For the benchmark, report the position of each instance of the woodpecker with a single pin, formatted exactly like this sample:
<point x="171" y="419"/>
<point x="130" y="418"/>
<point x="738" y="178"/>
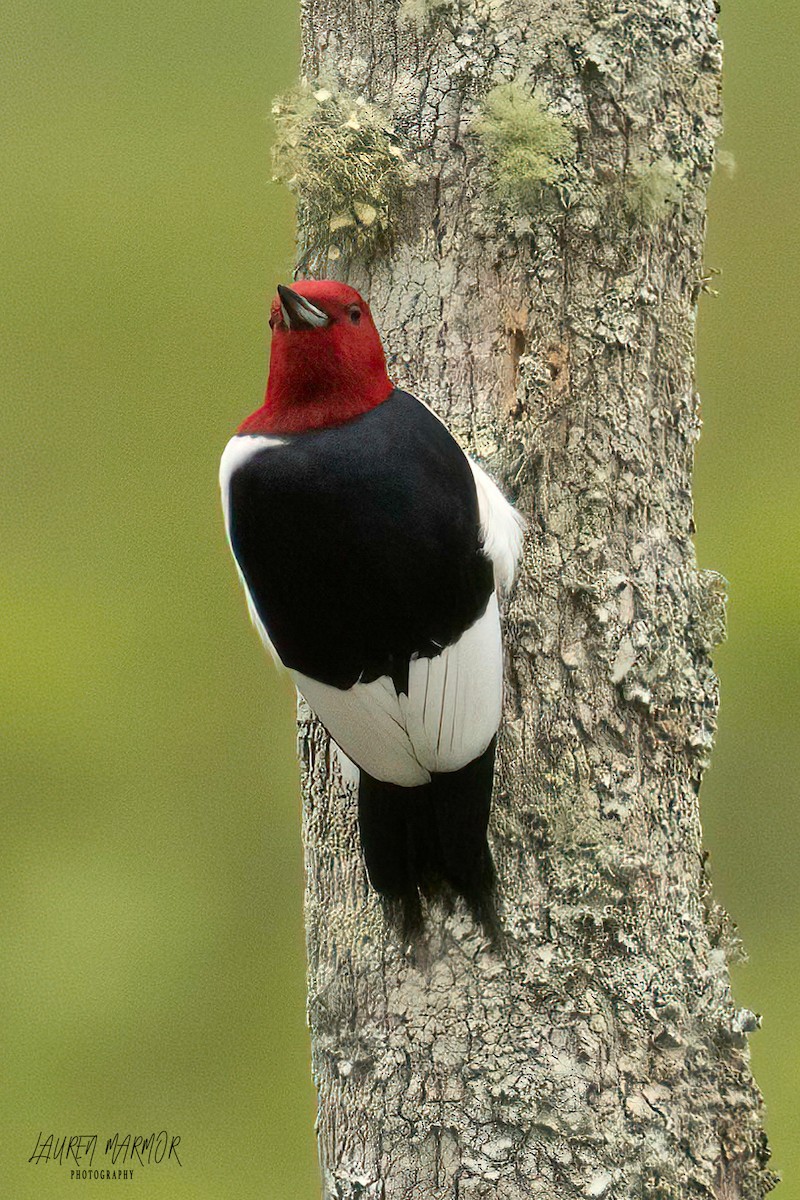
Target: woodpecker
<point x="372" y="550"/>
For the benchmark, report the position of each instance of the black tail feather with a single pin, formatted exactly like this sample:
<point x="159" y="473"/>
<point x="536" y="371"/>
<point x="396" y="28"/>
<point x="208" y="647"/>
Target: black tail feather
<point x="391" y="820"/>
<point x="431" y="840"/>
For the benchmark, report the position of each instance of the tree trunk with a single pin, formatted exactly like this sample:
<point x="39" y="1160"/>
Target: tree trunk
<point x="600" y="1053"/>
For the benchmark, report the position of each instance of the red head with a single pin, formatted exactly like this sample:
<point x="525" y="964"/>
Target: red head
<point x="326" y="363"/>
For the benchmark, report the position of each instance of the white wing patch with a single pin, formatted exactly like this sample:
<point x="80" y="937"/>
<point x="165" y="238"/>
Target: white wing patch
<point x="239" y="449"/>
<point x="502" y="527"/>
<point x="448" y="718"/>
<point x="454" y="700"/>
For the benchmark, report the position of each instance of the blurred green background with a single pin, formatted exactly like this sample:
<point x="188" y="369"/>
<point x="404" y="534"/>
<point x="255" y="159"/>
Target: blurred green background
<point x="747" y="507"/>
<point x="152" y="967"/>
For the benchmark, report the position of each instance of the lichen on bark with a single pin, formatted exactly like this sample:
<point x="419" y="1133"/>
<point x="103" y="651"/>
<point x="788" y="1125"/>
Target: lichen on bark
<point x="342" y="158"/>
<point x="526" y="145"/>
<point x="601" y="1053"/>
<point x="651" y="189"/>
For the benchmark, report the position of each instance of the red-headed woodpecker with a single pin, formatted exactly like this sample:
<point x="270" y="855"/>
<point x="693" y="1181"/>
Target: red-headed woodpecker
<point x="371" y="550"/>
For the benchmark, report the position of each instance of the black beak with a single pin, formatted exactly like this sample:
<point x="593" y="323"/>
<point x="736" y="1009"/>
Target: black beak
<point x="299" y="313"/>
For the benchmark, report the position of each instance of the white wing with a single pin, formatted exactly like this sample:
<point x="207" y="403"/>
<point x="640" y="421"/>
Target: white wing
<point x="502" y="527"/>
<point x="448" y="718"/>
<point x="454" y="700"/>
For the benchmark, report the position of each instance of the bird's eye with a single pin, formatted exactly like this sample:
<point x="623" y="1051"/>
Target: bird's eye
<point x="355" y="314"/>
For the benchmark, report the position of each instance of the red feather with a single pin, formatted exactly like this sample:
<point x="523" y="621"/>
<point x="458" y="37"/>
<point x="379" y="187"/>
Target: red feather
<point x="322" y="377"/>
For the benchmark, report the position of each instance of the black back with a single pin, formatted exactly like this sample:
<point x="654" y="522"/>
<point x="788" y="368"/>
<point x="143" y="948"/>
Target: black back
<point x="360" y="544"/>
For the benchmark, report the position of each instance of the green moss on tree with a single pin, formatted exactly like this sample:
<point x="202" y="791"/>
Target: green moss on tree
<point x="342" y="158"/>
<point x="526" y="144"/>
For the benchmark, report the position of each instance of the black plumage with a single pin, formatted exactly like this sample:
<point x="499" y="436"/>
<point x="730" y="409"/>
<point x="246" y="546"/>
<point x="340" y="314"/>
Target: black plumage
<point x="360" y="544"/>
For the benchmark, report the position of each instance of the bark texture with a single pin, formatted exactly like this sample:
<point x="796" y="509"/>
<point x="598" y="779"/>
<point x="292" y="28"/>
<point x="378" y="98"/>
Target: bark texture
<point x="600" y="1054"/>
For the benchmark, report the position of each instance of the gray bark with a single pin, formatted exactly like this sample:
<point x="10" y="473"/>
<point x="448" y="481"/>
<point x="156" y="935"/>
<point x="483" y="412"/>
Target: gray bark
<point x="600" y="1054"/>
